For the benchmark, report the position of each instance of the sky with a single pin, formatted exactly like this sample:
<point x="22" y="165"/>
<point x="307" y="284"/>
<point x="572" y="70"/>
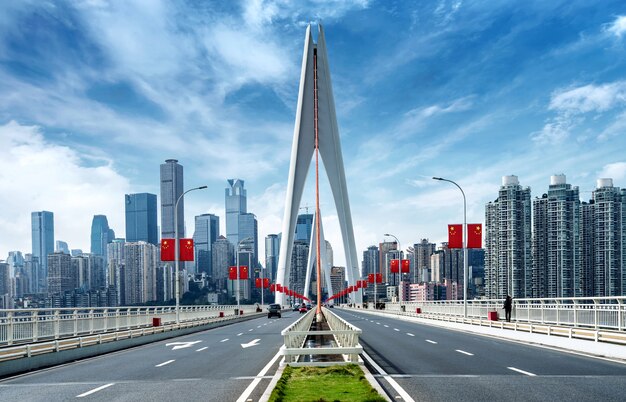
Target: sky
<point x="96" y="94"/>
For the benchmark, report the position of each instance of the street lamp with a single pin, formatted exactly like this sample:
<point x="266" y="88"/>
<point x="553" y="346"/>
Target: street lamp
<point x="465" y="262"/>
<point x="399" y="263"/>
<point x="237" y="251"/>
<point x="176" y="250"/>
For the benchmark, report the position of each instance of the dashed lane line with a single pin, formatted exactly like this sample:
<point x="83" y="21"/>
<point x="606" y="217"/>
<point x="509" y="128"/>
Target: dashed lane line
<point x="409" y="334"/>
<point x="164" y="363"/>
<point x="224" y="340"/>
<point x="94" y="390"/>
<point x="464" y="352"/>
<point x="239" y="334"/>
<point x="396" y="329"/>
<point x="386" y="326"/>
<point x="522" y="371"/>
<point x="201" y="349"/>
<point x="433" y="342"/>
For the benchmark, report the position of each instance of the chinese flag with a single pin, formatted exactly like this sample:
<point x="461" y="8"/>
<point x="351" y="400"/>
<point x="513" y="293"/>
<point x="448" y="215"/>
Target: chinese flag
<point x="406" y="266"/>
<point x="167" y="250"/>
<point x="258" y="283"/>
<point x="393" y="266"/>
<point x="279" y="288"/>
<point x="266" y="282"/>
<point x="455" y="236"/>
<point x="185" y="250"/>
<point x="370" y="278"/>
<point x="232" y="273"/>
<point x="379" y="278"/>
<point x="243" y="272"/>
<point x="474" y="235"/>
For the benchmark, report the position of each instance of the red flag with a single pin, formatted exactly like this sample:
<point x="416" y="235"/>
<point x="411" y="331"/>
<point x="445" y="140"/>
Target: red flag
<point x="167" y="250"/>
<point x="370" y="278"/>
<point x="474" y="235"/>
<point x="393" y="266"/>
<point x="272" y="288"/>
<point x="379" y="278"/>
<point x="232" y="273"/>
<point x="266" y="283"/>
<point x="406" y="266"/>
<point x="455" y="236"/>
<point x="243" y="272"/>
<point x="279" y="288"/>
<point x="185" y="250"/>
<point x="258" y="282"/>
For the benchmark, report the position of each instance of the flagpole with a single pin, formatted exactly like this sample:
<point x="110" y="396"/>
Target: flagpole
<point x="465" y="261"/>
<point x="176" y="251"/>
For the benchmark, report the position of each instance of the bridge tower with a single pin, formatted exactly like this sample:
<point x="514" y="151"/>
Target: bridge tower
<point x="316" y="90"/>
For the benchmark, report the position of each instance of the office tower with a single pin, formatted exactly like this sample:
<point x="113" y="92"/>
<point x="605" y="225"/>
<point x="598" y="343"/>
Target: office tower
<point x="272" y="248"/>
<point x="6" y="286"/>
<point x="338" y="278"/>
<point x="508" y="264"/>
<point x="141" y="260"/>
<point x="383" y="258"/>
<point x="76" y="252"/>
<point x="42" y="225"/>
<point x="452" y="268"/>
<point x="89" y="272"/>
<point x="299" y="260"/>
<point x="423" y="251"/>
<point x="171" y="190"/>
<point x="246" y="258"/>
<point x="207" y="231"/>
<point x="15" y="261"/>
<point x="31" y="268"/>
<point x="556" y="240"/>
<point x="223" y="255"/>
<point x="60" y="276"/>
<point x="236" y="205"/>
<point x="609" y="225"/>
<point x="248" y="229"/>
<point x="370" y="262"/>
<point x="304" y="225"/>
<point x="476" y="267"/>
<point x="101" y="235"/>
<point x="61" y="247"/>
<point x="141" y="218"/>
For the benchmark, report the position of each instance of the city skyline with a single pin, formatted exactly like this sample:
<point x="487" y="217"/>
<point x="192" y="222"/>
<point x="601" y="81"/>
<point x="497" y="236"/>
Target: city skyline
<point x="470" y="92"/>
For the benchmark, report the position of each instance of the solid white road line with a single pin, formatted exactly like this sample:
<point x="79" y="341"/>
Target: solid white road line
<point x="224" y="340"/>
<point x="396" y="329"/>
<point x="386" y="326"/>
<point x="164" y="363"/>
<point x="94" y="390"/>
<point x="244" y="396"/>
<point x="522" y="371"/>
<point x="429" y="341"/>
<point x="251" y="329"/>
<point x="201" y="349"/>
<point x="464" y="352"/>
<point x="409" y="334"/>
<point x="239" y="334"/>
<point x="405" y="396"/>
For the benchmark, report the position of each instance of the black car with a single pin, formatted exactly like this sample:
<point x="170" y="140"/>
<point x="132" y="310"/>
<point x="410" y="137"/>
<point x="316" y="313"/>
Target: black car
<point x="273" y="309"/>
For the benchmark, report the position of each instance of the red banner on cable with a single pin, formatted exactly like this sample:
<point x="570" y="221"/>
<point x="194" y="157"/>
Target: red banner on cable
<point x="455" y="236"/>
<point x="266" y="283"/>
<point x="258" y="282"/>
<point x="474" y="235"/>
<point x="167" y="250"/>
<point x="406" y="264"/>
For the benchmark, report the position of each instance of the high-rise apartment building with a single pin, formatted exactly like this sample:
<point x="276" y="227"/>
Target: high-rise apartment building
<point x="585" y="275"/>
<point x="370" y="262"/>
<point x="508" y="263"/>
<point x="6" y="286"/>
<point x="556" y="241"/>
<point x="222" y="257"/>
<point x="61" y="278"/>
<point x="171" y="189"/>
<point x="42" y="229"/>
<point x="272" y="249"/>
<point x="299" y="261"/>
<point x="383" y="259"/>
<point x="115" y="267"/>
<point x="141" y="218"/>
<point x="101" y="235"/>
<point x="141" y="260"/>
<point x="207" y="231"/>
<point x="423" y="250"/>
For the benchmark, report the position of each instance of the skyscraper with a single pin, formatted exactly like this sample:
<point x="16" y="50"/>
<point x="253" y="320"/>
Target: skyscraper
<point x="508" y="264"/>
<point x="101" y="235"/>
<point x="171" y="189"/>
<point x="61" y="247"/>
<point x="42" y="229"/>
<point x="141" y="218"/>
<point x="556" y="241"/>
<point x="222" y="257"/>
<point x="370" y="263"/>
<point x="423" y="251"/>
<point x="60" y="276"/>
<point x="304" y="225"/>
<point x="239" y="223"/>
<point x="140" y="272"/>
<point x="207" y="231"/>
<point x="272" y="248"/>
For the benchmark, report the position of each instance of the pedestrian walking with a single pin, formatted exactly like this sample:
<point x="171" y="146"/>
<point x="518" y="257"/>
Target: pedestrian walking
<point x="508" y="306"/>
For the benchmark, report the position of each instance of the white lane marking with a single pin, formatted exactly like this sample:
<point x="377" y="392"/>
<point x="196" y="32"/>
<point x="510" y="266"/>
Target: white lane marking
<point x="244" y="396"/>
<point x="201" y="349"/>
<point x="377" y="323"/>
<point x="403" y="394"/>
<point x="522" y="371"/>
<point x="409" y="334"/>
<point x="224" y="340"/>
<point x="429" y="341"/>
<point x="251" y="343"/>
<point x="239" y="334"/>
<point x="164" y="363"/>
<point x="251" y="329"/>
<point x="259" y="326"/>
<point x="396" y="329"/>
<point x="181" y="345"/>
<point x="464" y="352"/>
<point x="386" y="326"/>
<point x="94" y="390"/>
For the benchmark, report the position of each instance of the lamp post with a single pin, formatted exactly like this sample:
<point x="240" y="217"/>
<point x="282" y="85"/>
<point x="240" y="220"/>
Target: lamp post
<point x="176" y="250"/>
<point x="465" y="262"/>
<point x="237" y="251"/>
<point x="399" y="263"/>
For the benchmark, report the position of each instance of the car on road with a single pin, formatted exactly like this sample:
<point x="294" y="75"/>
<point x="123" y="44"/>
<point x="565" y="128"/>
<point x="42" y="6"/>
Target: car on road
<point x="273" y="310"/>
<point x="303" y="309"/>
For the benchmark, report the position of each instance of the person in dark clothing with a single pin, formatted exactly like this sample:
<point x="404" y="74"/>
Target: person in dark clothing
<point x="508" y="306"/>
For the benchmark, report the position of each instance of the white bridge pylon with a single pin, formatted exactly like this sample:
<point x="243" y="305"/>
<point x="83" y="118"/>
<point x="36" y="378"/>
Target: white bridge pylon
<point x="302" y="153"/>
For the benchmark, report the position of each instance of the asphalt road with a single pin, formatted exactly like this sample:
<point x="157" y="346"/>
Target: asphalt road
<point x="437" y="364"/>
<point x="214" y="365"/>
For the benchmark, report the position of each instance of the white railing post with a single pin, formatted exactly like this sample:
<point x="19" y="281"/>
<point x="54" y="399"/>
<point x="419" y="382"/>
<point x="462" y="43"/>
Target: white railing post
<point x="10" y="328"/>
<point x="56" y="324"/>
<point x="34" y="318"/>
<point x="75" y="323"/>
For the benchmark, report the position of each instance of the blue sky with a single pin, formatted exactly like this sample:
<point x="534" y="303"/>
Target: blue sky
<point x="95" y="94"/>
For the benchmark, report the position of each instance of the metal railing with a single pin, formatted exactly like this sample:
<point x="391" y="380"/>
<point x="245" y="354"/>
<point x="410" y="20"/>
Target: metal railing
<point x="345" y="334"/>
<point x="584" y="312"/>
<point x="37" y="325"/>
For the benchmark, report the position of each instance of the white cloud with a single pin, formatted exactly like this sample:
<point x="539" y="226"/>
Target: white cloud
<point x="589" y="98"/>
<point x="615" y="171"/>
<point x="40" y="175"/>
<point x="617" y="27"/>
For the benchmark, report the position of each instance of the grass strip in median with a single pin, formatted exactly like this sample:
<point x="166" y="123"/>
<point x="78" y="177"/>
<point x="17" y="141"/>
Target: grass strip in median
<point x="335" y="383"/>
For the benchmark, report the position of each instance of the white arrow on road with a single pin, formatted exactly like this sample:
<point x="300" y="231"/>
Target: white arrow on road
<point x="251" y="343"/>
<point x="181" y="345"/>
